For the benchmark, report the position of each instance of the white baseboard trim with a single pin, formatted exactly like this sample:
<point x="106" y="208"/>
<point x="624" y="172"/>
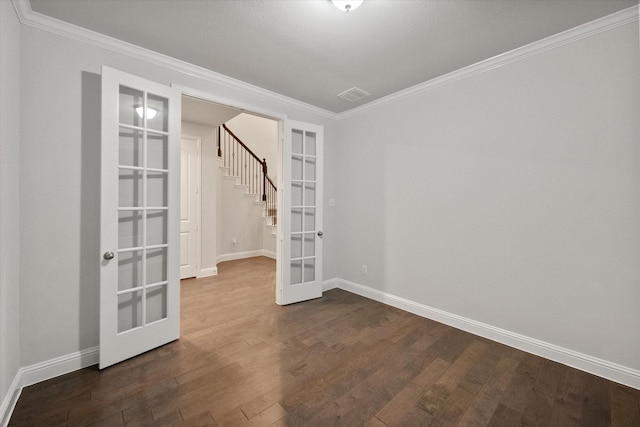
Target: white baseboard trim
<point x="10" y="400"/>
<point x="269" y="254"/>
<point x="327" y="285"/>
<point x="243" y="255"/>
<point x="602" y="368"/>
<point x="59" y="366"/>
<point x="207" y="272"/>
<point x="43" y="371"/>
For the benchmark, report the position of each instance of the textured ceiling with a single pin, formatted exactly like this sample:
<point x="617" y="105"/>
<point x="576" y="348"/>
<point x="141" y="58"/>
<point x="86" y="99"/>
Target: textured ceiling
<point x="310" y="51"/>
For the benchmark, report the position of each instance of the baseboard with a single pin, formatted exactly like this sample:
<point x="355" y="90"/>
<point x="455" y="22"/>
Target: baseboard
<point x="327" y="285"/>
<point x="43" y="371"/>
<point x="208" y="272"/>
<point x="10" y="400"/>
<point x="59" y="366"/>
<point x="269" y="254"/>
<point x="593" y="365"/>
<point x="243" y="255"/>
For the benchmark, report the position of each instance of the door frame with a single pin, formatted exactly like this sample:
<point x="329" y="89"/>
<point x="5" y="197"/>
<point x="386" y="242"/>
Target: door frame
<point x="198" y="200"/>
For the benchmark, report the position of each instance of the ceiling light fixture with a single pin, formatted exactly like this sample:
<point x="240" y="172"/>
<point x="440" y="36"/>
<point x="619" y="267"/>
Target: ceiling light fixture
<point x="151" y="112"/>
<point x="347" y="5"/>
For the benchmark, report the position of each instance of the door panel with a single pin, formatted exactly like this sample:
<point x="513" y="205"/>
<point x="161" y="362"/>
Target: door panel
<point x="189" y="207"/>
<point x="301" y="263"/>
<point x="139" y="282"/>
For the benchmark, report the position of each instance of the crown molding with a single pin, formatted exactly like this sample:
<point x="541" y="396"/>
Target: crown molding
<point x="27" y="16"/>
<point x="606" y="23"/>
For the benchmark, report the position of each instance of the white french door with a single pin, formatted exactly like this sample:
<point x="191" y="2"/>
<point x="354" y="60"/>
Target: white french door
<point x="140" y="209"/>
<point x="300" y="266"/>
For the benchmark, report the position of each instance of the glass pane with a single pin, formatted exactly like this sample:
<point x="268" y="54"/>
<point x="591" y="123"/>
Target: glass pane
<point x="296" y="141"/>
<point x="157" y="189"/>
<point x="309" y="194"/>
<point x="309" y="270"/>
<point x="157" y="146"/>
<point x="157" y="227"/>
<point x="156" y="265"/>
<point x="296" y="194"/>
<point x="296" y="220"/>
<point x="130" y="150"/>
<point x="310" y="169"/>
<point x="310" y="143"/>
<point x="129" y="229"/>
<point x="296" y="246"/>
<point x="159" y="105"/>
<point x="129" y="188"/>
<point x="296" y="272"/>
<point x="309" y="219"/>
<point x="156" y="303"/>
<point x="309" y="244"/>
<point x="296" y="168"/>
<point x="129" y="270"/>
<point x="129" y="311"/>
<point x="129" y="100"/>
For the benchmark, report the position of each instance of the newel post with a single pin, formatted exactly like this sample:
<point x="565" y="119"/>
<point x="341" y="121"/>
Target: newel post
<point x="264" y="180"/>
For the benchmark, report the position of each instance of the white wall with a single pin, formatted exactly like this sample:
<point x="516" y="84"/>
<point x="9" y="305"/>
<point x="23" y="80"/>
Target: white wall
<point x="9" y="199"/>
<point x="59" y="178"/>
<point x="269" y="241"/>
<point x="261" y="136"/>
<point x="240" y="220"/>
<point x="511" y="197"/>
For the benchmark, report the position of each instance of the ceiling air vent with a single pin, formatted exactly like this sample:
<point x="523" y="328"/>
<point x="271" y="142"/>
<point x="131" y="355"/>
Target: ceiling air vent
<point x="354" y="94"/>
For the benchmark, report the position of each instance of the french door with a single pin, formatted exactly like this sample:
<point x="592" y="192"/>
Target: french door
<point x="300" y="266"/>
<point x="140" y="209"/>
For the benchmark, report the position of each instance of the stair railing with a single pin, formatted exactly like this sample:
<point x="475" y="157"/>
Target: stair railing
<point x="245" y="165"/>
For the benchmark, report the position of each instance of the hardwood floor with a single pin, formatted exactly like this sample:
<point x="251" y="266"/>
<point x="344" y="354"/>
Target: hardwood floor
<point x="338" y="360"/>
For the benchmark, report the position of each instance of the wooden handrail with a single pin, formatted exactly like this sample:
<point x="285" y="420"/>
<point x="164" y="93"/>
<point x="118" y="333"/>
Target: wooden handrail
<point x="247" y="174"/>
<point x="243" y="145"/>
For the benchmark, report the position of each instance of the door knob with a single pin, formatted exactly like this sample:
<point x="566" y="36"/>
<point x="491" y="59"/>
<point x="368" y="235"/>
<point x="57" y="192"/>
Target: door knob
<point x="108" y="255"/>
<point x="320" y="233"/>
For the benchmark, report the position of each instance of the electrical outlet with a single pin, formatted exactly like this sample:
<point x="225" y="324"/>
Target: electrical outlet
<point x="365" y="270"/>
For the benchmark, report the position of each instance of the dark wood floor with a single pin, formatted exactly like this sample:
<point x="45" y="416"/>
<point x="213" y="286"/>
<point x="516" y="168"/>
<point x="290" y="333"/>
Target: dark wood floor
<point x="338" y="360"/>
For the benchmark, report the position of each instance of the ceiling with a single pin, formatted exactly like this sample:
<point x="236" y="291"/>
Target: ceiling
<point x="206" y="113"/>
<point x="310" y="51"/>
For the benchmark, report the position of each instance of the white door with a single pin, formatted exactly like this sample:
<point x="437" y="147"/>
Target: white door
<point x="300" y="266"/>
<point x="139" y="237"/>
<point x="189" y="206"/>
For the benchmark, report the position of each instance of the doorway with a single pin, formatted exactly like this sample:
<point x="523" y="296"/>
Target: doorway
<point x="233" y="222"/>
<point x="140" y="210"/>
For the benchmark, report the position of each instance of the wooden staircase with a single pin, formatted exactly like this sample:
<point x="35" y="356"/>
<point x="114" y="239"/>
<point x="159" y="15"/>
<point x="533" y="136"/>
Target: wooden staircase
<point x="242" y="164"/>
